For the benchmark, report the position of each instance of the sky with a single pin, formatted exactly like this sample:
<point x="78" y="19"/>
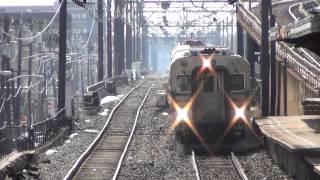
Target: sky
<point x="26" y="2"/>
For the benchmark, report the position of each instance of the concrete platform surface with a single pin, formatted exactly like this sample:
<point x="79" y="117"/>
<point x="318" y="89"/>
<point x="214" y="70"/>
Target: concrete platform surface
<point x="295" y="132"/>
<point x="299" y="135"/>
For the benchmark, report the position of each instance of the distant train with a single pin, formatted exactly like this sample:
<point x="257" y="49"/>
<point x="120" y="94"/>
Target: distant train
<point x="209" y="90"/>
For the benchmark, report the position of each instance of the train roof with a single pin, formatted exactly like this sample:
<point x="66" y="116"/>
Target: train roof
<point x="187" y="51"/>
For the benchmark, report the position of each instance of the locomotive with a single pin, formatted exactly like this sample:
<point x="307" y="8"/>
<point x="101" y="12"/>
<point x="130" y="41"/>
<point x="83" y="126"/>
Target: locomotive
<point x="210" y="92"/>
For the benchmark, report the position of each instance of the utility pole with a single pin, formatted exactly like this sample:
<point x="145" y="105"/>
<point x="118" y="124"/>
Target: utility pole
<point x="109" y="39"/>
<point x="100" y="40"/>
<point x="265" y="58"/>
<point x="62" y="59"/>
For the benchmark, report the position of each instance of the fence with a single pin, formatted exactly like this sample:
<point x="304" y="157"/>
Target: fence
<point x="23" y="138"/>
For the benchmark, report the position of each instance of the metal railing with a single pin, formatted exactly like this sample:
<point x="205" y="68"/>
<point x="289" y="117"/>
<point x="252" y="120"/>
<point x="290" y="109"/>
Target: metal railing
<point x="296" y="63"/>
<point x="23" y="138"/>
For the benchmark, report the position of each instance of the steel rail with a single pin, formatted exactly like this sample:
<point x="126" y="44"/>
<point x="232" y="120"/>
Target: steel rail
<point x="116" y="173"/>
<point x="195" y="165"/>
<point x="238" y="167"/>
<point x="86" y="154"/>
<point x="236" y="164"/>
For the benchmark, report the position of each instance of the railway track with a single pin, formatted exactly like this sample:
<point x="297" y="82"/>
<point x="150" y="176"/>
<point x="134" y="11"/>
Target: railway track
<point x="217" y="167"/>
<point x="103" y="158"/>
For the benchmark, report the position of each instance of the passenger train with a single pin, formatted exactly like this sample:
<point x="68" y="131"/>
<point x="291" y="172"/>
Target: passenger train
<point x="209" y="91"/>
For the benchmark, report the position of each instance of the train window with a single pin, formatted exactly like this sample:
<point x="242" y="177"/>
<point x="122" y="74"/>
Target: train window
<point x="208" y="83"/>
<point x="183" y="83"/>
<point x="236" y="82"/>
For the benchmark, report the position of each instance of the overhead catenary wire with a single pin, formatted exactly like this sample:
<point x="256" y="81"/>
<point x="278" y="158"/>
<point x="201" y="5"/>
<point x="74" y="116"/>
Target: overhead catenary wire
<point x="91" y="29"/>
<point x="39" y="33"/>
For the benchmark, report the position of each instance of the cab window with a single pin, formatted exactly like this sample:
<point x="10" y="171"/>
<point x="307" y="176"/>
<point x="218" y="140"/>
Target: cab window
<point x="208" y="84"/>
<point x="236" y="82"/>
<point x="183" y="83"/>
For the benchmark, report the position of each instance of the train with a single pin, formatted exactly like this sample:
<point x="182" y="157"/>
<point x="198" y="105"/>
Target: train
<point x="209" y="91"/>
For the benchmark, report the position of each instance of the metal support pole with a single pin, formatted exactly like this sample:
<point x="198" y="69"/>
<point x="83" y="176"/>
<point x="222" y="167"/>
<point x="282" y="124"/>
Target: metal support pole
<point x="7" y="103"/>
<point x="138" y="47"/>
<point x="239" y="39"/>
<point x="285" y="88"/>
<point x="109" y="39"/>
<point x="100" y="40"/>
<point x="279" y="88"/>
<point x="145" y="48"/>
<point x="3" y="64"/>
<point x="62" y="58"/>
<point x="250" y="54"/>
<point x="29" y="82"/>
<point x="17" y="99"/>
<point x="227" y="32"/>
<point x="134" y="38"/>
<point x="118" y="38"/>
<point x="265" y="58"/>
<point x="88" y="66"/>
<point x="273" y="80"/>
<point x="232" y="44"/>
<point x="223" y="37"/>
<point x="128" y="37"/>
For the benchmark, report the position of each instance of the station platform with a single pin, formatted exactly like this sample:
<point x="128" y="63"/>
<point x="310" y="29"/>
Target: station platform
<point x="293" y="143"/>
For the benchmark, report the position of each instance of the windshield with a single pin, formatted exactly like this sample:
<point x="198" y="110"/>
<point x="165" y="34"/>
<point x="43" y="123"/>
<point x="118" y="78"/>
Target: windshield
<point x="183" y="83"/>
<point x="236" y="82"/>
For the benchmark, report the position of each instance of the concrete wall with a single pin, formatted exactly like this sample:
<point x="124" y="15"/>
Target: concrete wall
<point x="296" y="92"/>
<point x="294" y="95"/>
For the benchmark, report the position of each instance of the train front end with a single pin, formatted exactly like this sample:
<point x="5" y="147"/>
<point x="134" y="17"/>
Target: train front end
<point x="210" y="96"/>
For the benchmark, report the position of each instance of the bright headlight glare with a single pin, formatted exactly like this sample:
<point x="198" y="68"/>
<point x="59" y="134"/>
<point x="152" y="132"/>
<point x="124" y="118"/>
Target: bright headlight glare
<point x="182" y="115"/>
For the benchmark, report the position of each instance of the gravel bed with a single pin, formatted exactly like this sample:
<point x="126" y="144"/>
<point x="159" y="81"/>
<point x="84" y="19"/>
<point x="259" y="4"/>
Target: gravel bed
<point x="57" y="164"/>
<point x="154" y="152"/>
<point x="259" y="165"/>
<point x="216" y="167"/>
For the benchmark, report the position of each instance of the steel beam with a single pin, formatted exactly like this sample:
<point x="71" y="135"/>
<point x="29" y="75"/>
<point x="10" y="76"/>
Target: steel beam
<point x="62" y="58"/>
<point x="239" y="39"/>
<point x="265" y="58"/>
<point x="100" y="40"/>
<point x="109" y="39"/>
<point x="29" y="82"/>
<point x="273" y="75"/>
